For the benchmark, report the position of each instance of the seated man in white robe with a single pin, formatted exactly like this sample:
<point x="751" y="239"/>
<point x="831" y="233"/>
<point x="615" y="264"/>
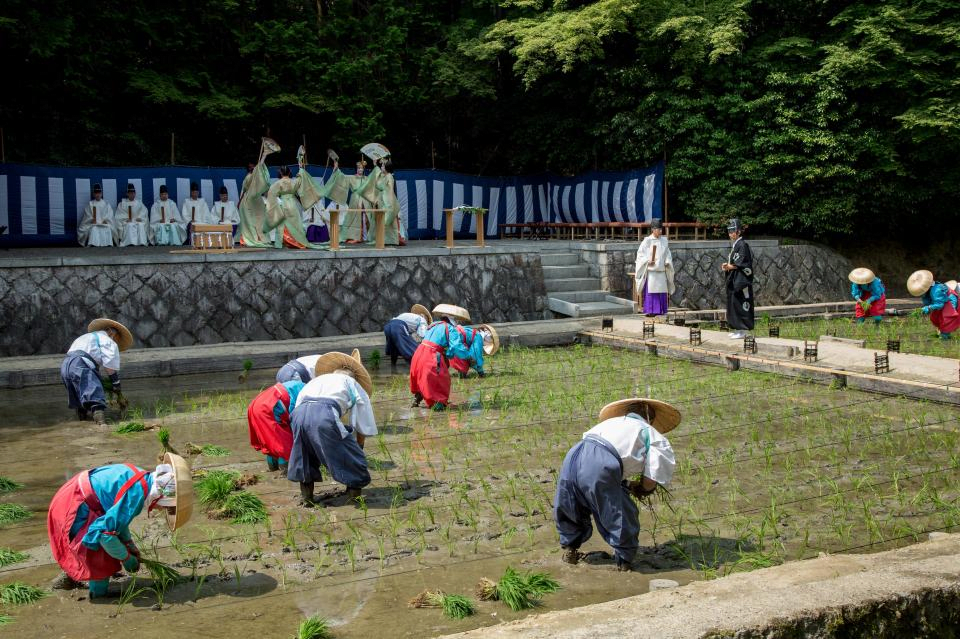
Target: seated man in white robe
<point x="195" y="209"/>
<point x="96" y="226"/>
<point x="225" y="211"/>
<point x="167" y="226"/>
<point x="132" y="221"/>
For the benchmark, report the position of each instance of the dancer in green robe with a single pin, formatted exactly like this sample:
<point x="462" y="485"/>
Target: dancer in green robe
<point x="253" y="212"/>
<point x="283" y="209"/>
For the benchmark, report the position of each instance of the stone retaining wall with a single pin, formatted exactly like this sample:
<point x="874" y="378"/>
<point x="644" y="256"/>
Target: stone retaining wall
<point x="181" y="300"/>
<point x="794" y="274"/>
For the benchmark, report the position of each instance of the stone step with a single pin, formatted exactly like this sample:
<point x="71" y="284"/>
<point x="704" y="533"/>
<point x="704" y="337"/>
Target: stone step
<point x="559" y="259"/>
<point x="565" y="272"/>
<point x="572" y="284"/>
<point x="578" y="297"/>
<point x="586" y="309"/>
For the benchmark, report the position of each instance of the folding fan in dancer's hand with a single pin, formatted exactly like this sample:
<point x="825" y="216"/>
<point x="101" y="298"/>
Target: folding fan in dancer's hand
<point x="302" y="156"/>
<point x="375" y="150"/>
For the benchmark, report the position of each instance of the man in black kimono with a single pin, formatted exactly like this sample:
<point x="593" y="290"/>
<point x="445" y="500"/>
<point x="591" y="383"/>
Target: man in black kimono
<point x="739" y="270"/>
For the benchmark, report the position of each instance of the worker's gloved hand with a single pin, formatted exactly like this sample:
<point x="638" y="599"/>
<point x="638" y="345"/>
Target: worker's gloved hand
<point x="481" y="374"/>
<point x="925" y="310"/>
<point x="131" y="547"/>
<point x="131" y="564"/>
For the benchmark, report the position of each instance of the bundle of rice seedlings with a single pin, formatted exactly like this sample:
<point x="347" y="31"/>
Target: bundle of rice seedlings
<point x="164" y="436"/>
<point x="520" y="592"/>
<point x="316" y="627"/>
<point x="7" y="485"/>
<point x="10" y="556"/>
<point x="453" y="606"/>
<point x="245" y="508"/>
<point x="541" y="583"/>
<point x="208" y="450"/>
<point x="19" y="593"/>
<point x="162" y="573"/>
<point x="10" y="513"/>
<point x="214" y="487"/>
<point x="130" y="427"/>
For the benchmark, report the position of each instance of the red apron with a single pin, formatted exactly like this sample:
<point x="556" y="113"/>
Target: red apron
<point x="266" y="435"/>
<point x="463" y="365"/>
<point x="79" y="562"/>
<point x="947" y="319"/>
<point x="879" y="307"/>
<point x="429" y="374"/>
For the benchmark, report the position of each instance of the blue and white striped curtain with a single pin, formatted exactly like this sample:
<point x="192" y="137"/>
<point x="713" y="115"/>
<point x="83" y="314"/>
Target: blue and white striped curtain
<point x="43" y="204"/>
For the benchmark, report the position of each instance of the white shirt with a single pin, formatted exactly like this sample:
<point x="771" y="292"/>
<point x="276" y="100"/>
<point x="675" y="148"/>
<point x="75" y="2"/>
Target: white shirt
<point x="309" y="362"/>
<point x="169" y="214"/>
<point x="349" y="396"/>
<point x="225" y="211"/>
<point x="416" y="325"/>
<point x="642" y="449"/>
<point x="100" y="348"/>
<point x="200" y="216"/>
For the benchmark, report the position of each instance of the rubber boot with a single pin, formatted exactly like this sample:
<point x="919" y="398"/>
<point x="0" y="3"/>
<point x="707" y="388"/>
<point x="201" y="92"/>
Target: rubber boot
<point x="306" y="494"/>
<point x="570" y="555"/>
<point x="393" y="360"/>
<point x="98" y="587"/>
<point x="439" y="407"/>
<point x="351" y="494"/>
<point x="99" y="417"/>
<point x="272" y="463"/>
<point x="623" y="565"/>
<point x="282" y="465"/>
<point x="417" y="398"/>
<point x="82" y="414"/>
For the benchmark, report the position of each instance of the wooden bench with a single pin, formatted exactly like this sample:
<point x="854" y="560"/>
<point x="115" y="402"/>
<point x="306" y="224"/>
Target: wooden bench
<point x="538" y="230"/>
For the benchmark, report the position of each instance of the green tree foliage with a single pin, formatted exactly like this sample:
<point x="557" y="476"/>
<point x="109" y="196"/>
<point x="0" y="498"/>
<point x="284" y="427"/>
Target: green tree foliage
<point x="814" y="116"/>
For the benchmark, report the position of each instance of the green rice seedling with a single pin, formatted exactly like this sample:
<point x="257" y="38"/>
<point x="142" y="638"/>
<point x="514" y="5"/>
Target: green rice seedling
<point x="315" y="627"/>
<point x="10" y="513"/>
<point x="19" y="593"/>
<point x="8" y="485"/>
<point x="5" y="619"/>
<point x="214" y="487"/>
<point x="245" y="508"/>
<point x="9" y="556"/>
<point x="453" y="606"/>
<point x="130" y="427"/>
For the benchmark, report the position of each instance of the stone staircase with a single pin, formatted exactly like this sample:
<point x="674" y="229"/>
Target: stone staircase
<point x="573" y="291"/>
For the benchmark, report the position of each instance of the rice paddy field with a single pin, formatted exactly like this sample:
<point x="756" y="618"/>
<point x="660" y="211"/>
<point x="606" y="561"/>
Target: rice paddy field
<point x="770" y="469"/>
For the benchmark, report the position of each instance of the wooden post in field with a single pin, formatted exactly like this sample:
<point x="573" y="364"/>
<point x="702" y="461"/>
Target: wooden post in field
<point x="172" y="146"/>
<point x="666" y="209"/>
<point x="334" y="229"/>
<point x="448" y="214"/>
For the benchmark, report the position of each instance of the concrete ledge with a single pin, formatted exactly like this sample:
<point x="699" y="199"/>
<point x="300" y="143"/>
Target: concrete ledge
<point x="909" y="592"/>
<point x="42" y="370"/>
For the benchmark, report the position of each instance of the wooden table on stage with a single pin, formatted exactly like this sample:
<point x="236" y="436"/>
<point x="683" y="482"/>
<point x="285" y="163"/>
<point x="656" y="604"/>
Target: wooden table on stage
<point x="379" y="232"/>
<point x="448" y="213"/>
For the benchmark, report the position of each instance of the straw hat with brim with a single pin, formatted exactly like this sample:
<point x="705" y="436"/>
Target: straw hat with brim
<point x="330" y="362"/>
<point x="184" y="497"/>
<point x="665" y="416"/>
<point x="919" y="283"/>
<point x="952" y="285"/>
<point x="861" y="276"/>
<point x="490" y="349"/>
<point x="421" y="310"/>
<point x="102" y="323"/>
<point x="450" y="310"/>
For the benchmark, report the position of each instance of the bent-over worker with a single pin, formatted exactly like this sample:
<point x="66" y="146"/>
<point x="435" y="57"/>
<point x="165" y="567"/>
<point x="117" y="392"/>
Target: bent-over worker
<point x="100" y="347"/>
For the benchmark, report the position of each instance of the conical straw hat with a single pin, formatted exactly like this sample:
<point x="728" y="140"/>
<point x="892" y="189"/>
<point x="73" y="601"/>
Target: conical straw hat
<point x="456" y="312"/>
<point x="102" y="323"/>
<point x="665" y="416"/>
<point x="861" y="276"/>
<point x="919" y="283"/>
<point x="421" y="310"/>
<point x="184" y="497"/>
<point x="952" y="285"/>
<point x="330" y="362"/>
<point x="490" y="349"/>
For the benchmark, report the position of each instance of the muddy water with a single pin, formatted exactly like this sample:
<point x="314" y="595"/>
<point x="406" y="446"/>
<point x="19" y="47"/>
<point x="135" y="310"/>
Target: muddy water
<point x="297" y="566"/>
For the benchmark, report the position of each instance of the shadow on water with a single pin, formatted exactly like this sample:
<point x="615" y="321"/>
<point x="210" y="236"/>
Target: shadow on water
<point x="380" y="498"/>
<point x="192" y="590"/>
<point x="706" y="554"/>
